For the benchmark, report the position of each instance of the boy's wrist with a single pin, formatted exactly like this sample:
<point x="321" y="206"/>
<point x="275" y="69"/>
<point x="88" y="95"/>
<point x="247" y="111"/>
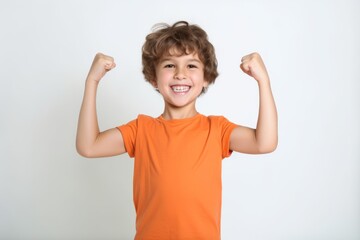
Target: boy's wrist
<point x="91" y="81"/>
<point x="264" y="83"/>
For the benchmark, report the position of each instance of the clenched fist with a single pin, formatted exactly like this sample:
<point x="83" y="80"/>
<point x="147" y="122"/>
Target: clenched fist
<point x="254" y="66"/>
<point x="100" y="66"/>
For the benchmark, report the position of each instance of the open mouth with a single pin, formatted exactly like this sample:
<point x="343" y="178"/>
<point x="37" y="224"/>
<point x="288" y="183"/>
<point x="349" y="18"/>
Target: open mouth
<point x="180" y="88"/>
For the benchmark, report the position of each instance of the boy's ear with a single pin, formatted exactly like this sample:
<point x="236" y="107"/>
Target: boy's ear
<point x="154" y="83"/>
<point x="206" y="83"/>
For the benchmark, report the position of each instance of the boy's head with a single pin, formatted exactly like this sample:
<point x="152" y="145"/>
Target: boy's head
<point x="182" y="39"/>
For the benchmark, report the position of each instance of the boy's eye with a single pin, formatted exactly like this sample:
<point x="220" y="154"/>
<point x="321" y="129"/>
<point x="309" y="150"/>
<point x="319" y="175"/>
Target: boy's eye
<point x="169" y="66"/>
<point x="192" y="66"/>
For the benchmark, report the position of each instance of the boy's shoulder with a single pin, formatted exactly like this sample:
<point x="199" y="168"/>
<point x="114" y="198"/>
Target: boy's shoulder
<point x="144" y="116"/>
<point x="217" y="118"/>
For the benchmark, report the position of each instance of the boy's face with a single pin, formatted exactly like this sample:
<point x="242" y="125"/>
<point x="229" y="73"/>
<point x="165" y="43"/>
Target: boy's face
<point x="180" y="79"/>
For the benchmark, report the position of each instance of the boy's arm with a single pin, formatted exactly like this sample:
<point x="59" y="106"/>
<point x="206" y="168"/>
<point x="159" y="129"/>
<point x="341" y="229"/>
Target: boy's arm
<point x="264" y="138"/>
<point x="90" y="142"/>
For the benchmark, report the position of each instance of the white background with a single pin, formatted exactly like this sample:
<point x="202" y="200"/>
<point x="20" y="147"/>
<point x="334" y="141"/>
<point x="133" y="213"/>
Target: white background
<point x="308" y="189"/>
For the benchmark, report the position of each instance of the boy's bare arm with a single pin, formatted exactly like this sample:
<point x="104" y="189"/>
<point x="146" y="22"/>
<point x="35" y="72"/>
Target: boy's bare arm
<point x="264" y="138"/>
<point x="90" y="142"/>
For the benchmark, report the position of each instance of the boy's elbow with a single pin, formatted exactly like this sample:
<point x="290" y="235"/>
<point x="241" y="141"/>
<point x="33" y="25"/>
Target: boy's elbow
<point x="84" y="151"/>
<point x="83" y="154"/>
<point x="268" y="148"/>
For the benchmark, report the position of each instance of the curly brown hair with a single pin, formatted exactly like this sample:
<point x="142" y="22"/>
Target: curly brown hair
<point x="183" y="37"/>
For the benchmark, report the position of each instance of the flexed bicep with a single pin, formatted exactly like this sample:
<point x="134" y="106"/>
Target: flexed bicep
<point x="243" y="140"/>
<point x="108" y="143"/>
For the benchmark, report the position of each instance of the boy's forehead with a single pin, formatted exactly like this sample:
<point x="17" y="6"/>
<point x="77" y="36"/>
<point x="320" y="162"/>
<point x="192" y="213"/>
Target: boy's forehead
<point x="186" y="57"/>
<point x="177" y="52"/>
<point x="174" y="52"/>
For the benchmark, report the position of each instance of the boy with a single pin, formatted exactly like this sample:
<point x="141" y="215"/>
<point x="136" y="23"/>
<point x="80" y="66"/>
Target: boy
<point x="177" y="168"/>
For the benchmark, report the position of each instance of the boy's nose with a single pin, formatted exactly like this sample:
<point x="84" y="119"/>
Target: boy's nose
<point x="179" y="75"/>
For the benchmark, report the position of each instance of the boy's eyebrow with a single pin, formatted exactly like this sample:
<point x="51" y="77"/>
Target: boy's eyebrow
<point x="171" y="59"/>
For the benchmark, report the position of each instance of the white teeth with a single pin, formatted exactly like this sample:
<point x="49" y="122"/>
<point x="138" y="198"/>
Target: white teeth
<point x="180" y="89"/>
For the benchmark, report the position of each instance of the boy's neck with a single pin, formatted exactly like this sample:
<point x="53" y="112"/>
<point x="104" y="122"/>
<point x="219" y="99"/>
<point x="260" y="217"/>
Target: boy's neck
<point x="171" y="113"/>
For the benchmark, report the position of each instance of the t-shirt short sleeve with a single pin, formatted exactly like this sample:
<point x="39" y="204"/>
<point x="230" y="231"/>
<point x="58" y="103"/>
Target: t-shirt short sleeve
<point x="129" y="132"/>
<point x="226" y="129"/>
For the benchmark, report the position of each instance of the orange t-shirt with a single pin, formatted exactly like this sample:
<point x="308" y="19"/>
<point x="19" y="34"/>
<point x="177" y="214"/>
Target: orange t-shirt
<point x="177" y="175"/>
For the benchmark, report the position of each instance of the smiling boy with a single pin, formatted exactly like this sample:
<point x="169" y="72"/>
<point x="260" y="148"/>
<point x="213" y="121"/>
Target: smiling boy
<point x="178" y="155"/>
<point x="180" y="80"/>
